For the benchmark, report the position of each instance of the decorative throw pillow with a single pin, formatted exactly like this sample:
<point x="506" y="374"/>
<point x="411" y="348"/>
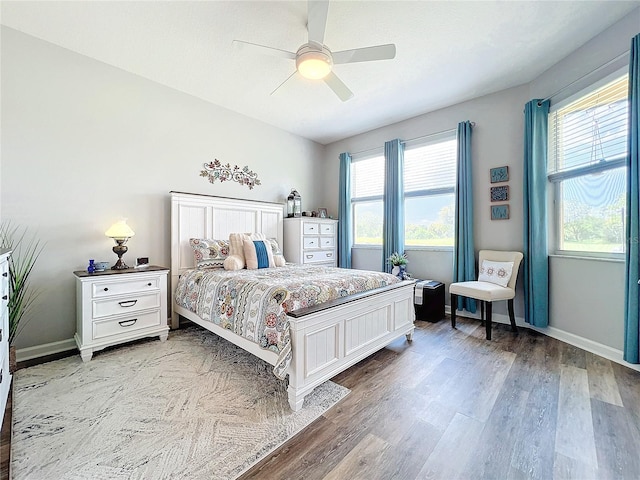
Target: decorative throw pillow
<point x="495" y="272"/>
<point x="209" y="253"/>
<point x="257" y="253"/>
<point x="236" y="260"/>
<point x="278" y="257"/>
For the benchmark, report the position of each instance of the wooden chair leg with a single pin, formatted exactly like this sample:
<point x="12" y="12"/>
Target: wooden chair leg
<point x="454" y="303"/>
<point x="488" y="321"/>
<point x="481" y="310"/>
<point x="512" y="316"/>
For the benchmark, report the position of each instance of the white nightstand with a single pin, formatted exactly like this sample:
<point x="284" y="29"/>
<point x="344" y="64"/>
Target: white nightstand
<point x="117" y="306"/>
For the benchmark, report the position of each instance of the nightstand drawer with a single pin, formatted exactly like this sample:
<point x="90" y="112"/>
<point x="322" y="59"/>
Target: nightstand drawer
<point x="125" y="305"/>
<point x="313" y="257"/>
<point x="118" y="287"/>
<point x="125" y="325"/>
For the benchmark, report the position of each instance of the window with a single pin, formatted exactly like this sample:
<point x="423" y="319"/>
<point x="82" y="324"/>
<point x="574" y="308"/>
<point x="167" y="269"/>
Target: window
<point x="367" y="189"/>
<point x="429" y="191"/>
<point x="587" y="168"/>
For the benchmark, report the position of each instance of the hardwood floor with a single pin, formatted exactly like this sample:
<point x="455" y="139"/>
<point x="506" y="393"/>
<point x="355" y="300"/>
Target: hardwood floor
<point x="452" y="405"/>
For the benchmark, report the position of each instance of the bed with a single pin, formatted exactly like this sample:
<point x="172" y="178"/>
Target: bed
<point x="324" y="339"/>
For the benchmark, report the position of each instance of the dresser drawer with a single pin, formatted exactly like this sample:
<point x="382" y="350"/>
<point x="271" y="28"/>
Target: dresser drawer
<point x="118" y="287"/>
<point x="310" y="242"/>
<point x="4" y="282"/>
<point x="125" y="325"/>
<point x="309" y="228"/>
<point x="327" y="228"/>
<point x="124" y="305"/>
<point x="314" y="257"/>
<point x="327" y="242"/>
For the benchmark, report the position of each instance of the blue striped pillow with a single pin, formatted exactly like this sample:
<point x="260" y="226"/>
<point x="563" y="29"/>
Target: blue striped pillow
<point x="261" y="253"/>
<point x="257" y="253"/>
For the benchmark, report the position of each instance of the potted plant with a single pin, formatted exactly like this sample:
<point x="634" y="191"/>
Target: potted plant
<point x="22" y="295"/>
<point x="399" y="263"/>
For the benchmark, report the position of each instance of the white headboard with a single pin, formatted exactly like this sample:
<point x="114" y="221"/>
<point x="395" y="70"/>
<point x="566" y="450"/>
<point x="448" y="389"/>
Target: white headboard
<point x="207" y="216"/>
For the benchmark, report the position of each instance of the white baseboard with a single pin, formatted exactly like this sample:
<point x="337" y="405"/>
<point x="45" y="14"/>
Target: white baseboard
<point x="47" y="349"/>
<point x="577" y="341"/>
<point x="589" y="345"/>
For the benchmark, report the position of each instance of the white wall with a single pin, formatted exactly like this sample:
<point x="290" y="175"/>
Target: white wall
<point x="497" y="141"/>
<point x="84" y="143"/>
<point x="586" y="296"/>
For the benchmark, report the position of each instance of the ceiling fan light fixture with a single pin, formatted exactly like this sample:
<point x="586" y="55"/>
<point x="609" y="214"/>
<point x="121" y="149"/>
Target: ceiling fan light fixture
<point x="313" y="64"/>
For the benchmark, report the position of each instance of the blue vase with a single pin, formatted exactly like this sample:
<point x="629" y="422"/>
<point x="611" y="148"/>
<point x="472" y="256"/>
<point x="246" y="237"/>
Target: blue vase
<point x="91" y="268"/>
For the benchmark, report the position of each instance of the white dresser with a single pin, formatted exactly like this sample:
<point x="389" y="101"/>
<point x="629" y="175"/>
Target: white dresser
<point x="311" y="240"/>
<point x="5" y="375"/>
<point x="116" y="306"/>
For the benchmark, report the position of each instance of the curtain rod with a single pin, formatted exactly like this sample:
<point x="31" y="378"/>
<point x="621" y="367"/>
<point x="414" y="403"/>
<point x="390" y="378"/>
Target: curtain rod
<point x="626" y="52"/>
<point x="473" y="124"/>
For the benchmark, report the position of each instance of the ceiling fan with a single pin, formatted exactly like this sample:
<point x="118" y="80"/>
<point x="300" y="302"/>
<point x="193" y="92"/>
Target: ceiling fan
<point x="314" y="60"/>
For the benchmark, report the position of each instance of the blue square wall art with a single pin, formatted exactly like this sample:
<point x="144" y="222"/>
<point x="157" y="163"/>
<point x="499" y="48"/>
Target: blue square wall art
<point x="499" y="174"/>
<point x="500" y="194"/>
<point x="499" y="212"/>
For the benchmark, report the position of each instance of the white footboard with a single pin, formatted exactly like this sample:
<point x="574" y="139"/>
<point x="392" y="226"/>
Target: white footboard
<point x="330" y="340"/>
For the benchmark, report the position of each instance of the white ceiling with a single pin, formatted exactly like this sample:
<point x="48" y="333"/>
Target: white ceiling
<point x="447" y="51"/>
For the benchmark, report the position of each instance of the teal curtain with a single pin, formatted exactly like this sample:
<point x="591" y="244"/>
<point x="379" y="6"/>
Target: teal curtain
<point x="464" y="259"/>
<point x="344" y="212"/>
<point x="631" y="316"/>
<point x="393" y="218"/>
<point x="535" y="264"/>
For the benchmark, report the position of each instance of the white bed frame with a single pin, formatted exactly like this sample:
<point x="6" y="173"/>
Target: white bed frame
<point x="326" y="339"/>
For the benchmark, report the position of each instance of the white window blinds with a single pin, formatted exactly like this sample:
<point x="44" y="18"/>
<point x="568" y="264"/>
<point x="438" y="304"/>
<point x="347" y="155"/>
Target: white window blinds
<point x="589" y="134"/>
<point x="430" y="165"/>
<point x="367" y="176"/>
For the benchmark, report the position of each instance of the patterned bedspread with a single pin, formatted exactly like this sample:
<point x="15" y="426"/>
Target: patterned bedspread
<point x="254" y="303"/>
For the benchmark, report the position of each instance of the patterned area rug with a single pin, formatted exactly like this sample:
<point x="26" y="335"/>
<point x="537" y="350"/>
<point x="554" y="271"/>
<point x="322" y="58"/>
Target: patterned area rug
<point x="193" y="407"/>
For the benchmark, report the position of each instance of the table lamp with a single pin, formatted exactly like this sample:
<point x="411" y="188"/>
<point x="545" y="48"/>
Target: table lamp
<point x="120" y="232"/>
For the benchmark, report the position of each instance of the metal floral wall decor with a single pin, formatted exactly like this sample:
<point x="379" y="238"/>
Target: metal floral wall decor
<point x="217" y="171"/>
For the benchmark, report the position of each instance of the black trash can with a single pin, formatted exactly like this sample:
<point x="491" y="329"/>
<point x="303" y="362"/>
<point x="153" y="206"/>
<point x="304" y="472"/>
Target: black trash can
<point x="429" y="300"/>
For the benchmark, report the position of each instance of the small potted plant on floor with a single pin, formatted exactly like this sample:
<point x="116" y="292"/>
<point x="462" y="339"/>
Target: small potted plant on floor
<point x="24" y="254"/>
<point x="399" y="263"/>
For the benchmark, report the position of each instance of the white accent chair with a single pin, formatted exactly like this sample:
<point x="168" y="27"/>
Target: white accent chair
<point x="487" y="292"/>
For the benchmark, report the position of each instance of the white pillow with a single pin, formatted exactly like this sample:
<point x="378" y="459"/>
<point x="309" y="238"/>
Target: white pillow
<point x="495" y="272"/>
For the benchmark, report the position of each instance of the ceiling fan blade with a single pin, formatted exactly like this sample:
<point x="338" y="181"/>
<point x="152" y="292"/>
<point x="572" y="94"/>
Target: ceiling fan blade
<point x="339" y="88"/>
<point x="276" y="89"/>
<point x="317" y="20"/>
<point x="262" y="49"/>
<point x="366" y="54"/>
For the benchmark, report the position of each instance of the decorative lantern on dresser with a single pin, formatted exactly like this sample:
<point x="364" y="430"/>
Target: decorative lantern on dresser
<point x="311" y="240"/>
<point x="294" y="204"/>
<point x="5" y="376"/>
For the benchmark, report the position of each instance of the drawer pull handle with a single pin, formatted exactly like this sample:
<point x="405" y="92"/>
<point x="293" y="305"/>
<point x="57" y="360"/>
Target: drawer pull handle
<point x="329" y="254"/>
<point x="0" y="376"/>
<point x="149" y="284"/>
<point x="127" y="303"/>
<point x="4" y="274"/>
<point x="309" y="256"/>
<point x="106" y="289"/>
<point x="128" y="323"/>
<point x="5" y="297"/>
<point x="0" y="334"/>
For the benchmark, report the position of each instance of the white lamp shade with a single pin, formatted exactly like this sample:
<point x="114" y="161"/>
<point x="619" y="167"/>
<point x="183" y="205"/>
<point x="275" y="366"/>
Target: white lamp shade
<point x="120" y="230"/>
